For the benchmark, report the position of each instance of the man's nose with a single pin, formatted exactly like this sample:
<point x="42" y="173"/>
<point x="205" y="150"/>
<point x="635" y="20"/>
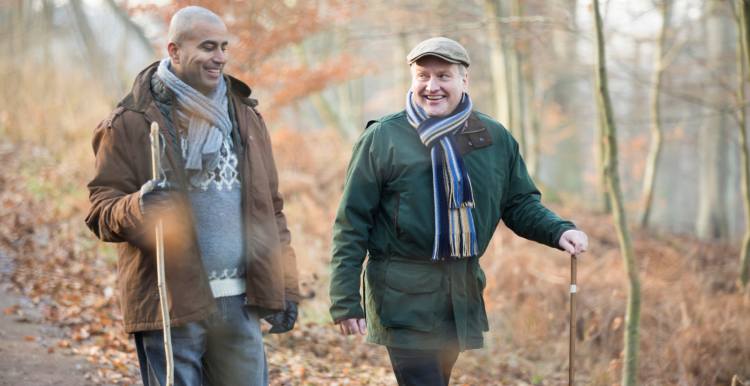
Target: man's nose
<point x="432" y="85"/>
<point x="220" y="57"/>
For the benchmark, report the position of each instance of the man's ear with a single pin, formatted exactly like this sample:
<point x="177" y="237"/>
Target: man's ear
<point x="465" y="81"/>
<point x="174" y="52"/>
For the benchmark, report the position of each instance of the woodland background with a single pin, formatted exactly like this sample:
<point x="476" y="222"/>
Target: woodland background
<point x="321" y="69"/>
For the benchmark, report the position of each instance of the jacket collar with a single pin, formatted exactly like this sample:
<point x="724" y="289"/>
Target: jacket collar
<point x="139" y="99"/>
<point x="476" y="136"/>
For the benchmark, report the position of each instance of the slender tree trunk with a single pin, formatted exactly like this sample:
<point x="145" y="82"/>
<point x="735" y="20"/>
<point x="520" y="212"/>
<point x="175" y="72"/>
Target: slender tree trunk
<point x="531" y="117"/>
<point x="402" y="74"/>
<point x="515" y="86"/>
<point x="743" y="50"/>
<point x="652" y="160"/>
<point x="633" y="311"/>
<point x="599" y="152"/>
<point x="713" y="150"/>
<point x="497" y="65"/>
<point x="566" y="171"/>
<point x="96" y="58"/>
<point x="123" y="16"/>
<point x="48" y="13"/>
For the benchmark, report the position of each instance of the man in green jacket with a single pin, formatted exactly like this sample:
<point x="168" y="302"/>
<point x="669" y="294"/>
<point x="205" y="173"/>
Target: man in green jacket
<point x="425" y="190"/>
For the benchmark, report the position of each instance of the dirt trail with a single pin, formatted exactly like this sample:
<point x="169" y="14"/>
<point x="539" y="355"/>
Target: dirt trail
<point x="29" y="362"/>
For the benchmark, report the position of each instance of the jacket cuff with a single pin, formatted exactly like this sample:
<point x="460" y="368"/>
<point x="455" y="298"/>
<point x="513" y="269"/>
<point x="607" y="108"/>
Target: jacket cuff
<point x="557" y="239"/>
<point x="290" y="297"/>
<point x="343" y="318"/>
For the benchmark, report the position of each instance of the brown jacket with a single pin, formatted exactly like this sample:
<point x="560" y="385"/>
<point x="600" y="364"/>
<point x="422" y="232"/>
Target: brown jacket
<point x="123" y="164"/>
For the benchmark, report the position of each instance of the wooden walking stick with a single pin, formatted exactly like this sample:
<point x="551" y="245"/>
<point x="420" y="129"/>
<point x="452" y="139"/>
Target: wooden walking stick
<point x="573" y="290"/>
<point x="156" y="175"/>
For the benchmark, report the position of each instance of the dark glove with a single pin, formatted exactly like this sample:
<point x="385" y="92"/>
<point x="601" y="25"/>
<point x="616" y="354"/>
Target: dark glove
<point x="283" y="321"/>
<point x="154" y="197"/>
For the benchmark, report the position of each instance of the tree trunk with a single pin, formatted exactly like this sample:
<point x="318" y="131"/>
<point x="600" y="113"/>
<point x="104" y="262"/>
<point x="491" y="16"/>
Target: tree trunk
<point x="633" y="311"/>
<point x="599" y="152"/>
<point x="743" y="50"/>
<point x="123" y="16"/>
<point x="497" y="65"/>
<point x="713" y="216"/>
<point x="566" y="171"/>
<point x="515" y="92"/>
<point x="652" y="159"/>
<point x="402" y="76"/>
<point x="531" y="117"/>
<point x="96" y="58"/>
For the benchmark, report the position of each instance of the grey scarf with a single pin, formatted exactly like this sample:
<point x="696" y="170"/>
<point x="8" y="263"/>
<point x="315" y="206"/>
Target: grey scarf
<point x="206" y="119"/>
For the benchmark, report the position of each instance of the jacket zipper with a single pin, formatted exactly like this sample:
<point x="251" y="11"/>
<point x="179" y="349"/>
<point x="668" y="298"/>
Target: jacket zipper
<point x="395" y="219"/>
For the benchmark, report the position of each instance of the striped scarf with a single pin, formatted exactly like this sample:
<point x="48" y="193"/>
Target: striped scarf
<point x="455" y="236"/>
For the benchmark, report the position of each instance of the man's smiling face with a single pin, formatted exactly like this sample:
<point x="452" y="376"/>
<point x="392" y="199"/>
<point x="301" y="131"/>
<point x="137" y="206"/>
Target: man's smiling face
<point x="437" y="85"/>
<point x="199" y="58"/>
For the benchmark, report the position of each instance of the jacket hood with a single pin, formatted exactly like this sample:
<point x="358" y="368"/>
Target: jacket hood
<point x="140" y="96"/>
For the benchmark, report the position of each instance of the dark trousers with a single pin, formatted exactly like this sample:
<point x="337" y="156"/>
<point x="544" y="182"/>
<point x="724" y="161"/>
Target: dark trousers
<point x="423" y="367"/>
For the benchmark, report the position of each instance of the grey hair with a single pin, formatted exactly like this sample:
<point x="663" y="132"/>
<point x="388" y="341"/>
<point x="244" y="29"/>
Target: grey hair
<point x="179" y="26"/>
<point x="461" y="70"/>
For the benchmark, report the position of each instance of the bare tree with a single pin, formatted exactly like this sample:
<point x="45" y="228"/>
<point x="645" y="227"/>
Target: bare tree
<point x="633" y="312"/>
<point x="713" y="147"/>
<point x="498" y="67"/>
<point x="652" y="160"/>
<point x="742" y="18"/>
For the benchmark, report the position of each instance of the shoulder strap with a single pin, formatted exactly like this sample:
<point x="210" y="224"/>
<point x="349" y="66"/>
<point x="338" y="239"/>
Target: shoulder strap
<point x="372" y="122"/>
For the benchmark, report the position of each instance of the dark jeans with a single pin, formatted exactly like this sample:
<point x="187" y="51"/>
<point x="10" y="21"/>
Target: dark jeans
<point x="224" y="349"/>
<point x="423" y="367"/>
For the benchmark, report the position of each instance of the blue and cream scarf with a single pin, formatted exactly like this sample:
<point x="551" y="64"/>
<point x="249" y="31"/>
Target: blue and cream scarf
<point x="455" y="236"/>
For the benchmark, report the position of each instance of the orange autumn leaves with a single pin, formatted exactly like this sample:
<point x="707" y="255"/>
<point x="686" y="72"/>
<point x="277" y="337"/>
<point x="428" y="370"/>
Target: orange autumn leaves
<point x="263" y="36"/>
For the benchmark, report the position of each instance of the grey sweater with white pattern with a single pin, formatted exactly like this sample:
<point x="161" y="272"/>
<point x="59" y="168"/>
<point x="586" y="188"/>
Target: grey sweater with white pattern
<point x="216" y="206"/>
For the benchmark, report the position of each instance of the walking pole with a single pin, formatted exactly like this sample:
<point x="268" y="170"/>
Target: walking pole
<point x="573" y="290"/>
<point x="156" y="174"/>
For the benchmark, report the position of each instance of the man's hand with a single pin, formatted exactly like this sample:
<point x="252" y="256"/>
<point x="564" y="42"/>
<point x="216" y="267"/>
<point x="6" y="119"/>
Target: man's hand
<point x="352" y="326"/>
<point x="155" y="194"/>
<point x="574" y="242"/>
<point x="284" y="320"/>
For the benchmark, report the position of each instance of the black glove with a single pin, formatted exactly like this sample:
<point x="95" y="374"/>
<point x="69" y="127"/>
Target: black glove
<point x="154" y="197"/>
<point x="283" y="321"/>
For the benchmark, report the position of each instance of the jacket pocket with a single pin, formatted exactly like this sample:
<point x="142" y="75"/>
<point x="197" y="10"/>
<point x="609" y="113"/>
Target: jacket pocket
<point x="482" y="282"/>
<point x="395" y="216"/>
<point x="410" y="296"/>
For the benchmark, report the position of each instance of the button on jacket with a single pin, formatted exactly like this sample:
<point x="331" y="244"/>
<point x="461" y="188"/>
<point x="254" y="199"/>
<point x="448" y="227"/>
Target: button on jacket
<point x="123" y="164"/>
<point x="387" y="212"/>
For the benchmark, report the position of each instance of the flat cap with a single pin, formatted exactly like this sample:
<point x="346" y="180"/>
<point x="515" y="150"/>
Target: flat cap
<point x="444" y="48"/>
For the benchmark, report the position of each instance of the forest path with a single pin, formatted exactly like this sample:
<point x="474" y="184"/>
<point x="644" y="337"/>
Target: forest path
<point x="24" y="361"/>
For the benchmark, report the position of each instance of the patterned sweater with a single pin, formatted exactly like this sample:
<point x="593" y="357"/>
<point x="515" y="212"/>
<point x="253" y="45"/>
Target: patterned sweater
<point x="216" y="206"/>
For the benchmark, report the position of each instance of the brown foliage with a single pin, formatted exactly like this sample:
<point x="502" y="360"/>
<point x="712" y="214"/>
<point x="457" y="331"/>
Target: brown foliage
<point x="262" y="32"/>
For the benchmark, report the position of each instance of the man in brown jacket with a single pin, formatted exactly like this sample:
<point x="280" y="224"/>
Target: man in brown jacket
<point x="228" y="259"/>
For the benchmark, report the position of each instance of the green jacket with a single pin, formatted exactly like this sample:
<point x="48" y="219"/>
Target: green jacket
<point x="387" y="210"/>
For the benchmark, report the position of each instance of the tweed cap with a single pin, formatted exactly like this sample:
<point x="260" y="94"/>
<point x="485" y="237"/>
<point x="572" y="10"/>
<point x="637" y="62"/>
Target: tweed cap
<point x="444" y="48"/>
